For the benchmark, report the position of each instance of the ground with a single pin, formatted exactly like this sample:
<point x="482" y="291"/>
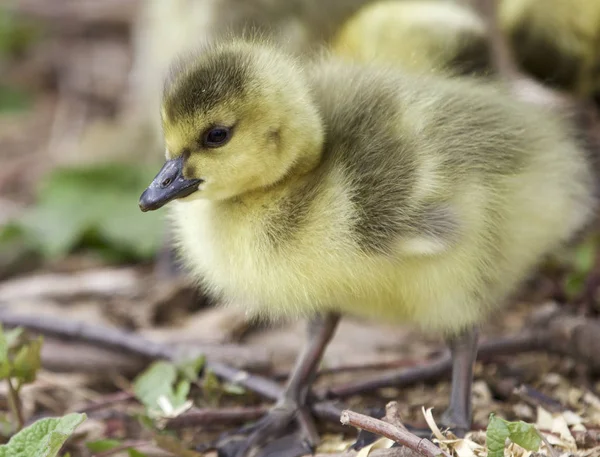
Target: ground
<point x="556" y="386"/>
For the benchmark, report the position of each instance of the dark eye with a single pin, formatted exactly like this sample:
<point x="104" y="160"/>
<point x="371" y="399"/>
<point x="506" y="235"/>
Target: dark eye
<point x="216" y="136"/>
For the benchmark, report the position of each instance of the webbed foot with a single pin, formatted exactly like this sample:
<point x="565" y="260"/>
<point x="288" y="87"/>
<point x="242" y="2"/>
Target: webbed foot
<point x="287" y="431"/>
<point x="457" y="421"/>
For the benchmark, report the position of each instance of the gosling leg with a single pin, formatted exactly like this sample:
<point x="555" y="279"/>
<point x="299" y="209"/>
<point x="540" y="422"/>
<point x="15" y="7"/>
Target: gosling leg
<point x="292" y="405"/>
<point x="459" y="414"/>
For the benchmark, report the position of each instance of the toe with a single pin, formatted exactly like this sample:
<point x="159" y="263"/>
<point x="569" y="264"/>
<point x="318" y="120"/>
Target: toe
<point x="292" y="445"/>
<point x="458" y="423"/>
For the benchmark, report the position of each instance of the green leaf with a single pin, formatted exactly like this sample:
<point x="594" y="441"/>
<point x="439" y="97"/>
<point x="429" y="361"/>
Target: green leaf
<point x="14" y="100"/>
<point x="521" y="433"/>
<point x="44" y="438"/>
<point x="573" y="285"/>
<point x="95" y="206"/>
<point x="584" y="256"/>
<point x="525" y="435"/>
<point x="211" y="388"/>
<point x="580" y="263"/>
<point x="102" y="445"/>
<point x="190" y="369"/>
<point x="159" y="383"/>
<point x="17" y="34"/>
<point x="495" y="436"/>
<point x="28" y="361"/>
<point x="134" y="453"/>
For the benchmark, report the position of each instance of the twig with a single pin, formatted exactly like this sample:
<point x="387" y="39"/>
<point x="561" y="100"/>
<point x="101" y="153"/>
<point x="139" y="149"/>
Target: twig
<point x="551" y="449"/>
<point x="133" y="344"/>
<point x="550" y="330"/>
<point x="402" y="436"/>
<point x="536" y="398"/>
<point x="397" y="378"/>
<point x="15" y="403"/>
<point x="103" y="282"/>
<point x="437" y="368"/>
<point x="350" y="368"/>
<point x="84" y="13"/>
<point x="130" y="343"/>
<point x="219" y="416"/>
<point x="106" y="401"/>
<point x="392" y="452"/>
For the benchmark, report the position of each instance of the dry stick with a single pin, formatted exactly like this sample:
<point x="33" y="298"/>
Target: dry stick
<point x="551" y="331"/>
<point x="136" y="345"/>
<point x="379" y="366"/>
<point x="439" y="367"/>
<point x="208" y="416"/>
<point x="392" y="452"/>
<point x="402" y="436"/>
<point x="82" y="13"/>
<point x="106" y="401"/>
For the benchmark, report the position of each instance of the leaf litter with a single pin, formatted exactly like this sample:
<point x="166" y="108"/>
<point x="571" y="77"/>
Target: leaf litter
<point x="123" y="297"/>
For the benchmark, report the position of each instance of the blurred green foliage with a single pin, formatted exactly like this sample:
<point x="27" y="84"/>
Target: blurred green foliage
<point x="159" y="386"/>
<point x="100" y="446"/>
<point x="165" y="384"/>
<point x="14" y="100"/>
<point x="20" y="360"/>
<point x="580" y="264"/>
<point x="94" y="208"/>
<point x="17" y="34"/>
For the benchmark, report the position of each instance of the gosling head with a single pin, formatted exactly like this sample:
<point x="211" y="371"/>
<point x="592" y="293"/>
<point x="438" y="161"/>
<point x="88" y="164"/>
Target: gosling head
<point x="236" y="118"/>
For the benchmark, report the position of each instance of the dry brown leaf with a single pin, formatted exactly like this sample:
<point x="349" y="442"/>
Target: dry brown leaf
<point x="381" y="443"/>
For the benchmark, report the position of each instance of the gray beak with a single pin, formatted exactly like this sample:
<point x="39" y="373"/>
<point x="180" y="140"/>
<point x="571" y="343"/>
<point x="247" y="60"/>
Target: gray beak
<point x="168" y="185"/>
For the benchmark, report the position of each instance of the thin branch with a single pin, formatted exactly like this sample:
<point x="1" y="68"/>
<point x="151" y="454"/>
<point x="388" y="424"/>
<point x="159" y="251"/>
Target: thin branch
<point x="107" y="401"/>
<point x="400" y="435"/>
<point x="436" y="369"/>
<point x="133" y="344"/>
<point x="352" y="368"/>
<point x="534" y="398"/>
<point x="392" y="452"/>
<point x="553" y="452"/>
<point x="397" y="378"/>
<point x="83" y="13"/>
<point x="219" y="416"/>
<point x="549" y="330"/>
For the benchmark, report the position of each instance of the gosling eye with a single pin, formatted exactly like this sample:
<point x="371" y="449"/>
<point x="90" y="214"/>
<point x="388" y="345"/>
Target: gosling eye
<point x="216" y="137"/>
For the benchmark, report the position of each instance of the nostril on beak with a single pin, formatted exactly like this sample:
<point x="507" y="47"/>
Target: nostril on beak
<point x="166" y="182"/>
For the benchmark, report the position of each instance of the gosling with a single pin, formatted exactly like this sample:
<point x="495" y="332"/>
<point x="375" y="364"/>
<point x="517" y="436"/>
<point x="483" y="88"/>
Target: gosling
<point x="557" y="42"/>
<point x="330" y="188"/>
<point x="422" y="35"/>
